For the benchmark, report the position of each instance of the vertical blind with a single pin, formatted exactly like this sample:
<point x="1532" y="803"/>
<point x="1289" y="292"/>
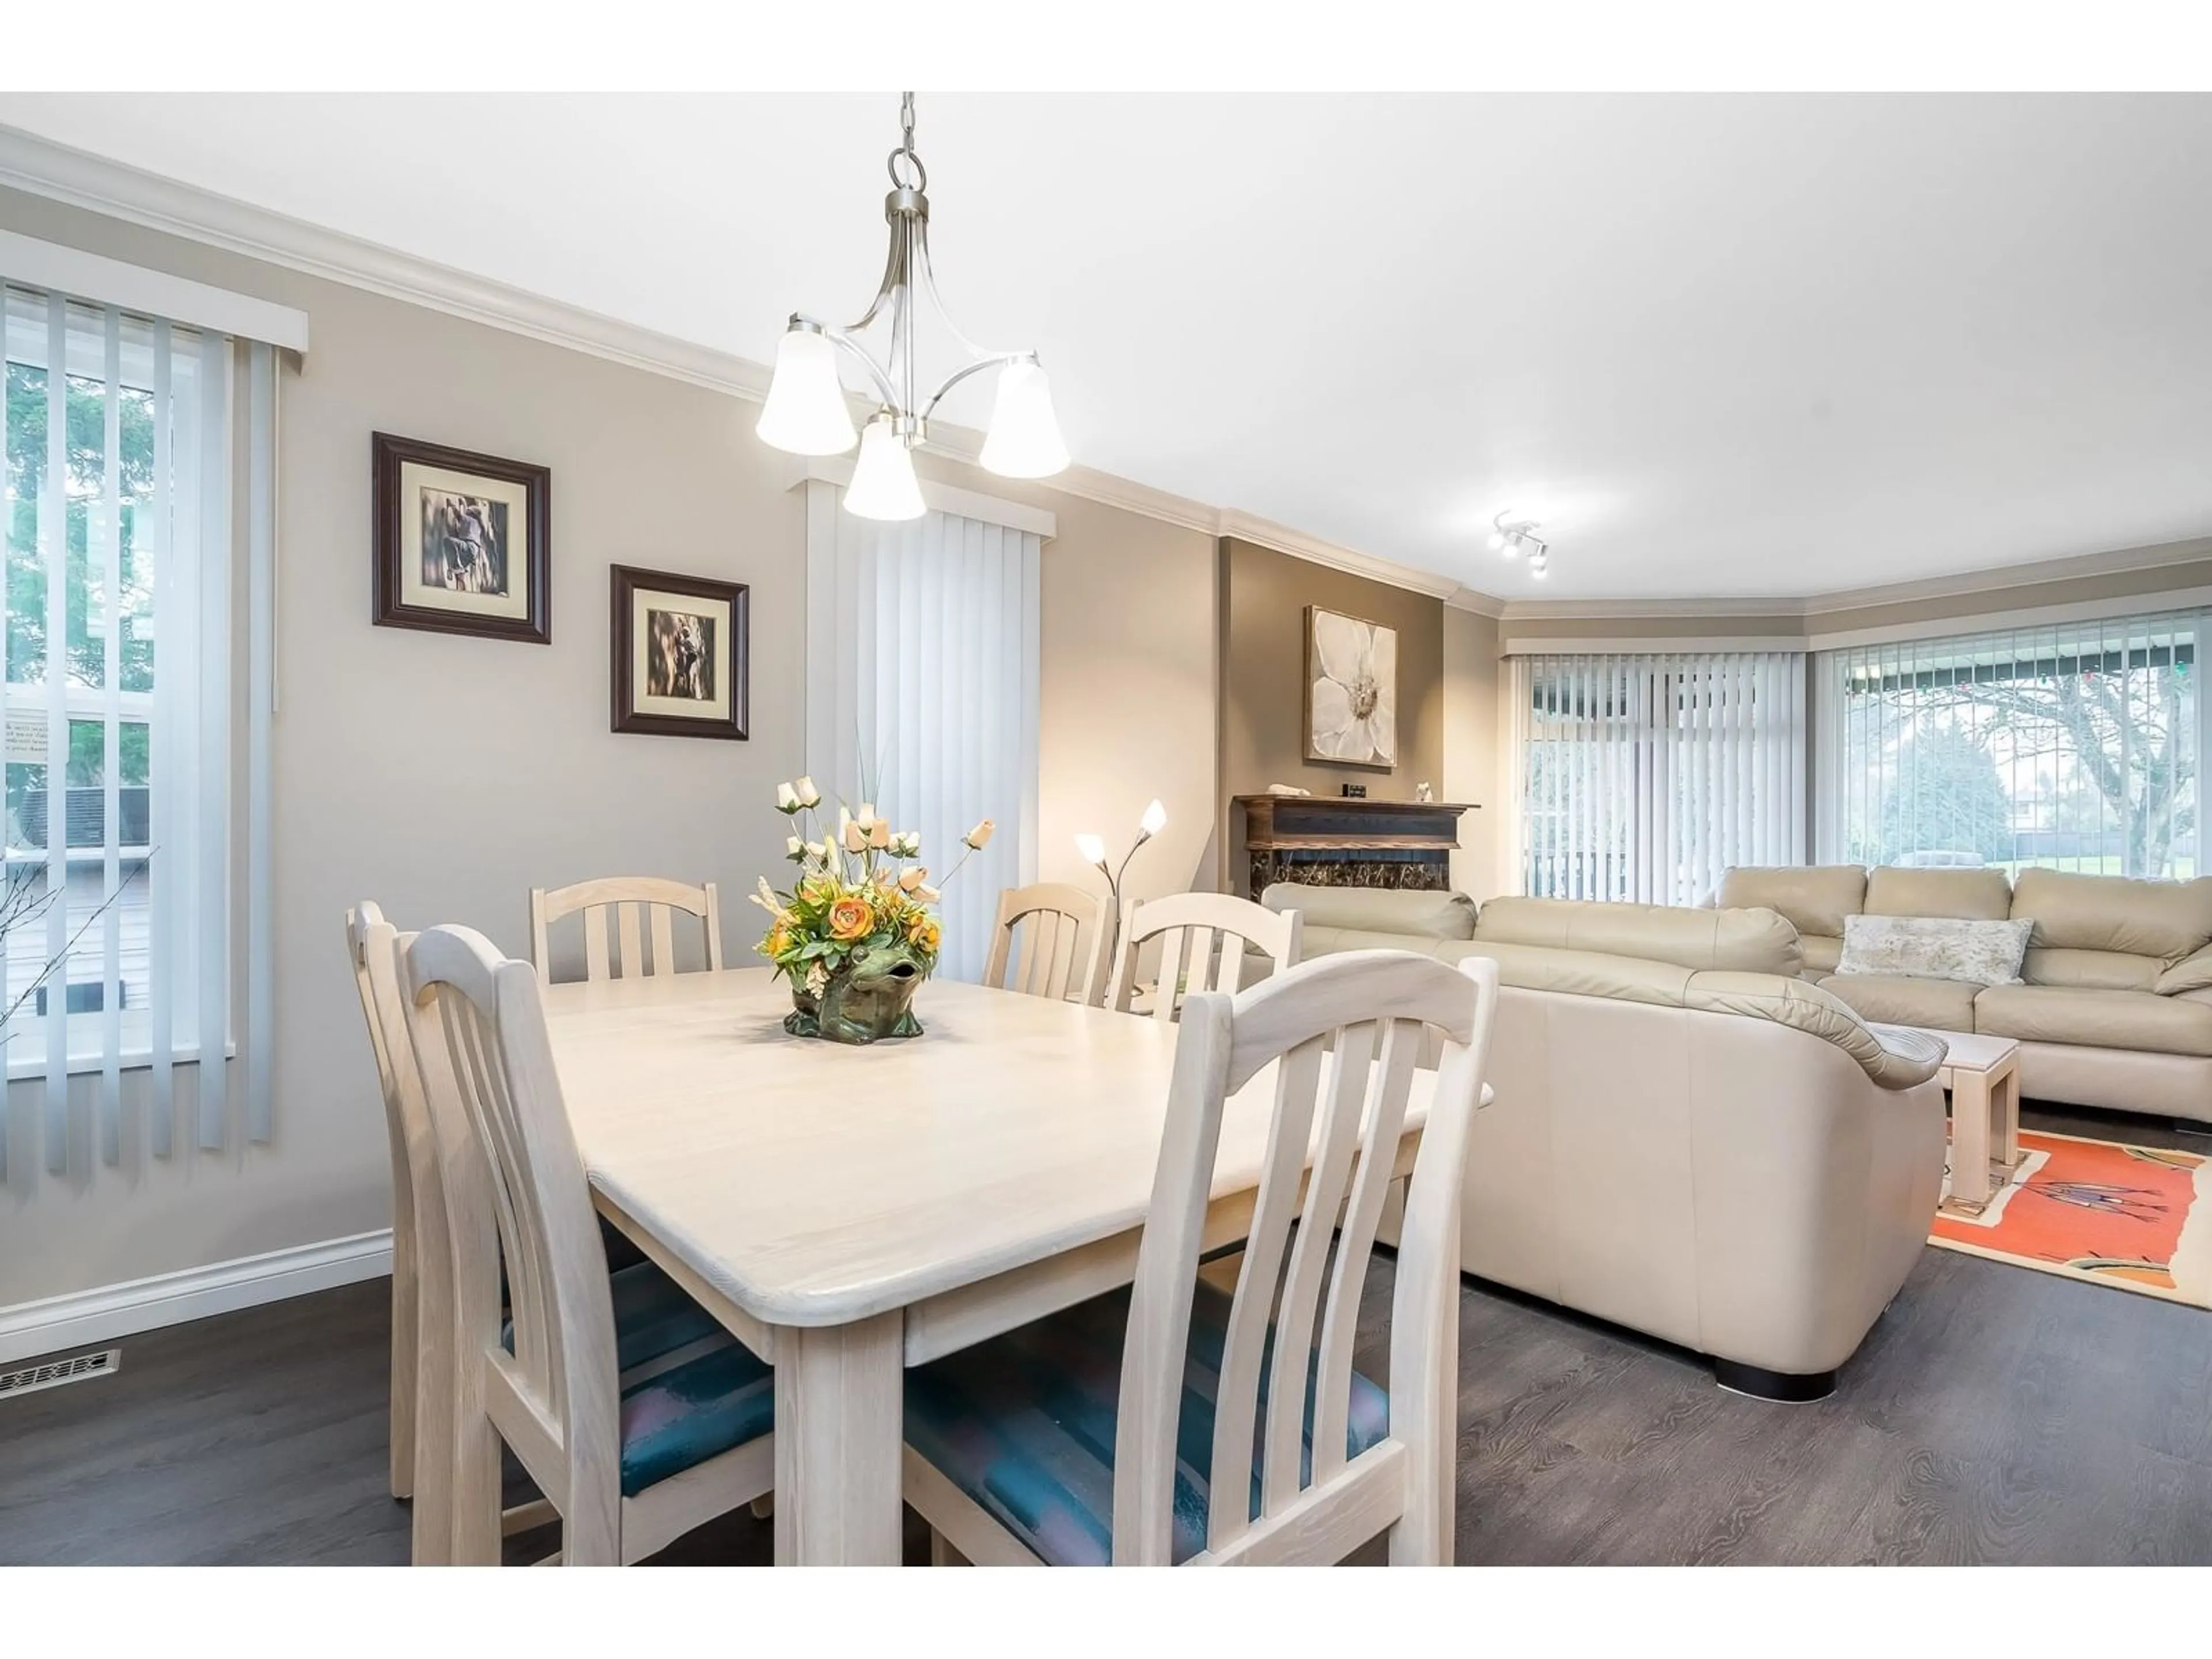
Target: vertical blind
<point x="124" y="526"/>
<point x="923" y="697"/>
<point x="1644" y="778"/>
<point x="2075" y="746"/>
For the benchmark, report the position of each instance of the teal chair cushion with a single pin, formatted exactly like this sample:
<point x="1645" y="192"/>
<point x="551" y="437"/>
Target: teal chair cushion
<point x="653" y="1315"/>
<point x="701" y="1409"/>
<point x="1024" y="1424"/>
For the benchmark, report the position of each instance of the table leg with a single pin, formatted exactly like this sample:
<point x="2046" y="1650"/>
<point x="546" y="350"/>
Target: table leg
<point x="2006" y="1103"/>
<point x="838" y="1427"/>
<point x="1969" y="1141"/>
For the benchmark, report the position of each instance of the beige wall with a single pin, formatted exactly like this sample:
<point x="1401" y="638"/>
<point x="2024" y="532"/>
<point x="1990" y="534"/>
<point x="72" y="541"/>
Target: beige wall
<point x="1472" y="737"/>
<point x="1264" y="596"/>
<point x="444" y="776"/>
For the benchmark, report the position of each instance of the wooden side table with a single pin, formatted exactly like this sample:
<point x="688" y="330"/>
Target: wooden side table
<point x="1983" y="1074"/>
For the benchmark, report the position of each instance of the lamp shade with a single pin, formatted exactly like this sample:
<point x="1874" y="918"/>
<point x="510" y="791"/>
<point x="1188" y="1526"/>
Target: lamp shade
<point x="1155" y="819"/>
<point x="1092" y="847"/>
<point x="1024" y="441"/>
<point x="884" y="485"/>
<point x="805" y="411"/>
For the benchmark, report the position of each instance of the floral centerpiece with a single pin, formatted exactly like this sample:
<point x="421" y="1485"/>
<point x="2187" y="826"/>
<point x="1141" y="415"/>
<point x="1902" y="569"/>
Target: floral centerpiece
<point x="855" y="934"/>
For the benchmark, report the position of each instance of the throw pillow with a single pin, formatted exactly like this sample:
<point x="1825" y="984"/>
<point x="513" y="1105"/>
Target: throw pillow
<point x="1935" y="947"/>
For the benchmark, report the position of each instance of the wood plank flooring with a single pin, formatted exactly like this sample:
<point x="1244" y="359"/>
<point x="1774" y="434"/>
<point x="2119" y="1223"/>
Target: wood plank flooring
<point x="1993" y="1415"/>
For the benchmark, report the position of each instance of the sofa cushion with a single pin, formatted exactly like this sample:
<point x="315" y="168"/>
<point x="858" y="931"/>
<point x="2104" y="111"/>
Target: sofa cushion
<point x="1738" y="941"/>
<point x="2192" y="973"/>
<point x="1967" y="895"/>
<point x="1933" y="1004"/>
<point x="2096" y="1020"/>
<point x="2164" y="918"/>
<point x="1821" y="953"/>
<point x="1376" y="909"/>
<point x="1934" y="947"/>
<point x="2093" y="971"/>
<point x="1816" y="900"/>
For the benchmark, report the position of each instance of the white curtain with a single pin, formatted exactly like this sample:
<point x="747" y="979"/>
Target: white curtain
<point x="126" y="775"/>
<point x="922" y="696"/>
<point x="1644" y="778"/>
<point x="2073" y="746"/>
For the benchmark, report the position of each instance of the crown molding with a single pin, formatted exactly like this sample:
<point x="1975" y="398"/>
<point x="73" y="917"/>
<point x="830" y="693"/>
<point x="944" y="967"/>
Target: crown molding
<point x="1282" y="539"/>
<point x="2119" y="562"/>
<point x="1515" y="610"/>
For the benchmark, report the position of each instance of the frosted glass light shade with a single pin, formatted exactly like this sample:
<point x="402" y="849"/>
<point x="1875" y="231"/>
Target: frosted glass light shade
<point x="1155" y="819"/>
<point x="805" y="411"/>
<point x="1024" y="441"/>
<point x="884" y="485"/>
<point x="1092" y="847"/>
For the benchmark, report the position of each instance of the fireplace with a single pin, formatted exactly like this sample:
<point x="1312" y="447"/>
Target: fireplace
<point x="1327" y="842"/>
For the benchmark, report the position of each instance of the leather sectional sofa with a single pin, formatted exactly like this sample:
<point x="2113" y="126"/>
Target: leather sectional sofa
<point x="1688" y="1136"/>
<point x="2116" y="1006"/>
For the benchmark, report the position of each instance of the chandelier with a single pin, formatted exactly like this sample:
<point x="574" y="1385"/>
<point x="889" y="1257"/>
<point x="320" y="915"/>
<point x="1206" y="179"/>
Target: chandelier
<point x="805" y="413"/>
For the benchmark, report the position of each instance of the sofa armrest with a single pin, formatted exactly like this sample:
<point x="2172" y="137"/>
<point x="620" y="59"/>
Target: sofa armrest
<point x="2191" y="973"/>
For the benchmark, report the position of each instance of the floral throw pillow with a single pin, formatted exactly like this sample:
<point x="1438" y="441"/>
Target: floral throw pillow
<point x="1935" y="947"/>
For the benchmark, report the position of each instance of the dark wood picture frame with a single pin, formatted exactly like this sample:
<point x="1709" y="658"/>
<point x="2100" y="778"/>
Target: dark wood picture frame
<point x="624" y="583"/>
<point x="389" y="454"/>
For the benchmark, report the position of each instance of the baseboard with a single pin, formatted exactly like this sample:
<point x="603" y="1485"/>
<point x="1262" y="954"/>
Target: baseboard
<point x="31" y="1328"/>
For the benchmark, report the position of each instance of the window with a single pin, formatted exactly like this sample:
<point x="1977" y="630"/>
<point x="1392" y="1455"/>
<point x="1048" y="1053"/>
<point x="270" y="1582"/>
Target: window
<point x="1644" y="778"/>
<point x="121" y="535"/>
<point x="923" y="688"/>
<point x="2071" y="747"/>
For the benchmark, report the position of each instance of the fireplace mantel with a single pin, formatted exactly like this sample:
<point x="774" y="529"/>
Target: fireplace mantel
<point x="1340" y="842"/>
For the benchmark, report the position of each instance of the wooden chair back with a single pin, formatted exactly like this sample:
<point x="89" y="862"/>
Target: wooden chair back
<point x="641" y="907"/>
<point x="1190" y="927"/>
<point x="1343" y="1033"/>
<point x="1063" y="939"/>
<point x="516" y="1193"/>
<point x="421" y="1266"/>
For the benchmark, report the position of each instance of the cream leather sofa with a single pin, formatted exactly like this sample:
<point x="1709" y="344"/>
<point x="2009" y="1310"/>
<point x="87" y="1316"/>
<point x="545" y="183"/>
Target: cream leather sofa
<point x="2115" y="1009"/>
<point x="1688" y="1138"/>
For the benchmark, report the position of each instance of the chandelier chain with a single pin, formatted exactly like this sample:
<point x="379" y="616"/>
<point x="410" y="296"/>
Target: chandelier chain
<point x="906" y="150"/>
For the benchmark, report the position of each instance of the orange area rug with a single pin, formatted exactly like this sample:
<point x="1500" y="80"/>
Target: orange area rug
<point x="2128" y="1217"/>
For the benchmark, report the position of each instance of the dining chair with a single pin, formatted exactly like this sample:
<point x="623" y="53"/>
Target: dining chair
<point x="626" y="896"/>
<point x="631" y="1456"/>
<point x="1189" y="925"/>
<point x="1063" y="932"/>
<point x="655" y="1322"/>
<point x="414" y="1171"/>
<point x="1102" y="1433"/>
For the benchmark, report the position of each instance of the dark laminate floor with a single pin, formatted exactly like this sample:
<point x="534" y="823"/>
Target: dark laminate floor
<point x="1993" y="1415"/>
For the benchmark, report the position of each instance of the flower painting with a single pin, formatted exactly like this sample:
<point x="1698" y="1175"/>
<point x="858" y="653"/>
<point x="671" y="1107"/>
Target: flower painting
<point x="1352" y="689"/>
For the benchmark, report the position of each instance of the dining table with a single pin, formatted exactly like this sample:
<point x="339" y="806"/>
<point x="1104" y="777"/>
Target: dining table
<point x="848" y="1212"/>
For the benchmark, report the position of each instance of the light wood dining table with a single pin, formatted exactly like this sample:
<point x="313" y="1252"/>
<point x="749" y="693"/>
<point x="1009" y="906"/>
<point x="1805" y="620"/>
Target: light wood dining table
<point x="849" y="1212"/>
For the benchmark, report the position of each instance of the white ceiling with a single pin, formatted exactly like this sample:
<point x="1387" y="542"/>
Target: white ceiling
<point x="1725" y="346"/>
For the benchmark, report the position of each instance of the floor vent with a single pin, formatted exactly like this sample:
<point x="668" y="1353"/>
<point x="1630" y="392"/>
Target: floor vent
<point x="56" y="1372"/>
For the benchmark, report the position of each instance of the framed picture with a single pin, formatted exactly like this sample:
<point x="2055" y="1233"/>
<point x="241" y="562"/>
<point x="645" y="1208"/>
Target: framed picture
<point x="462" y="542"/>
<point x="680" y="654"/>
<point x="1352" y="690"/>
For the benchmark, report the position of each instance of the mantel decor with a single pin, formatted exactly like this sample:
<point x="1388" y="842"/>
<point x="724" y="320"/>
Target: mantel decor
<point x="854" y="935"/>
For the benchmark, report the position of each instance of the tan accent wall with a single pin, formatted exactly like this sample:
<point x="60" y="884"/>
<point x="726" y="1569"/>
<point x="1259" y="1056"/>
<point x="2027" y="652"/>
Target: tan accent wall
<point x="1473" y="756"/>
<point x="443" y="777"/>
<point x="1263" y="599"/>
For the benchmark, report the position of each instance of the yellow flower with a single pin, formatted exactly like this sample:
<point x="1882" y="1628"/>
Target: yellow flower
<point x="779" y="940"/>
<point x="923" y="932"/>
<point x="851" y="919"/>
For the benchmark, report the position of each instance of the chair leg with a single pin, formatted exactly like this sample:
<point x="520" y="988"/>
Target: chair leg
<point x="475" y="1498"/>
<point x="406" y="1339"/>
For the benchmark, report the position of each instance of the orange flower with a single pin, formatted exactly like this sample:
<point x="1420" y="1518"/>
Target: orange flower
<point x="923" y="932"/>
<point x="851" y="919"/>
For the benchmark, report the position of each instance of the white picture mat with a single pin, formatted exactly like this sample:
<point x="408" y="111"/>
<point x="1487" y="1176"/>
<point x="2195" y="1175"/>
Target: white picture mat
<point x="646" y="600"/>
<point x="414" y="479"/>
